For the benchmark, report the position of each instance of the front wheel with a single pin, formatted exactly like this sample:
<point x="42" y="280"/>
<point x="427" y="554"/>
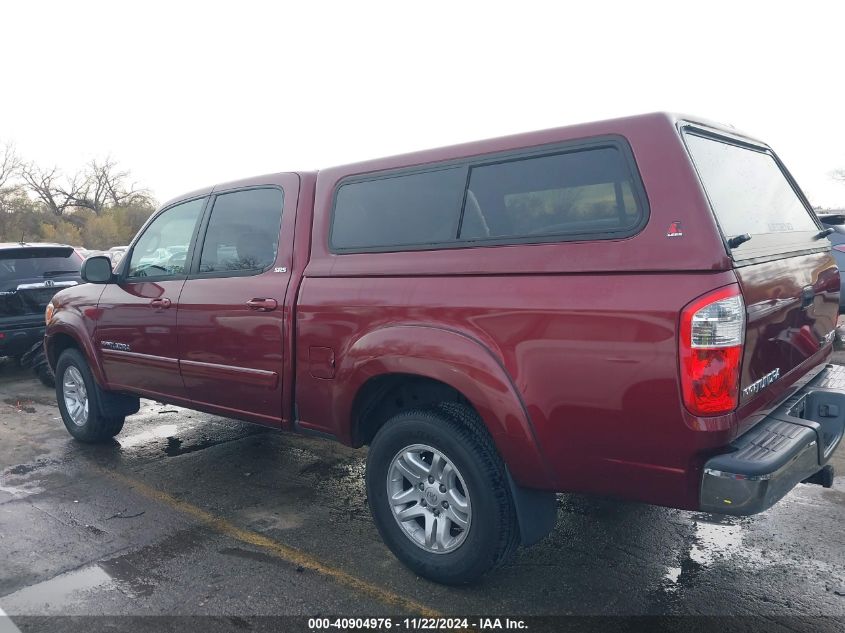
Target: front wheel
<point x="79" y="399"/>
<point x="438" y="494"/>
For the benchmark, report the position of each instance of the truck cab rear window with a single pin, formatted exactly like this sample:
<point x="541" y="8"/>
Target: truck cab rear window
<point x="748" y="191"/>
<point x="588" y="193"/>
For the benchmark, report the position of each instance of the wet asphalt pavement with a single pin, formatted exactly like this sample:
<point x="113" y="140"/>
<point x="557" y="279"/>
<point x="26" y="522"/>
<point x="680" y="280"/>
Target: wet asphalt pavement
<point x="191" y="514"/>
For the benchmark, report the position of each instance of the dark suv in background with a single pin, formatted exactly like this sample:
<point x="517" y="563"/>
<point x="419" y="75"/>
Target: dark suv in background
<point x="30" y="274"/>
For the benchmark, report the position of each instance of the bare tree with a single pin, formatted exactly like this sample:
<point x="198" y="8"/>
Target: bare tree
<point x="10" y="164"/>
<point x="100" y="186"/>
<point x="48" y="187"/>
<point x="105" y="185"/>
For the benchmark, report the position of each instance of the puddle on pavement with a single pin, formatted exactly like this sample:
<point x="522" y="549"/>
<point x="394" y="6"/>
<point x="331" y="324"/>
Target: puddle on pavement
<point x="262" y="520"/>
<point x="673" y="574"/>
<point x="715" y="542"/>
<point x="58" y="594"/>
<point x="158" y="432"/>
<point x="25" y="469"/>
<point x="175" y="447"/>
<point x="19" y="492"/>
<point x="715" y="539"/>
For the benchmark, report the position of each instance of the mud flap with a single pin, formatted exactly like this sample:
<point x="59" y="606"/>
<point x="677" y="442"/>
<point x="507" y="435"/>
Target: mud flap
<point x="536" y="511"/>
<point x="117" y="405"/>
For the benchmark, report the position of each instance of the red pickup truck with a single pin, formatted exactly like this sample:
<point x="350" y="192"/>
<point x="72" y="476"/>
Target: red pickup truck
<point x="642" y="307"/>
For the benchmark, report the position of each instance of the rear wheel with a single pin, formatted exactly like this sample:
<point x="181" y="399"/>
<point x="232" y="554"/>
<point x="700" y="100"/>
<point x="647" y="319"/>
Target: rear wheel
<point x="438" y="494"/>
<point x="79" y="400"/>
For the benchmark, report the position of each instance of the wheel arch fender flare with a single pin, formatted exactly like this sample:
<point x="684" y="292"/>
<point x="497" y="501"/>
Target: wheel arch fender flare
<point x="459" y="361"/>
<point x="69" y="323"/>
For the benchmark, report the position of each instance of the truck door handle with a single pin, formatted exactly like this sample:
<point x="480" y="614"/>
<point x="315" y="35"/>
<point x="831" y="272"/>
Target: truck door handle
<point x="160" y="304"/>
<point x="262" y="305"/>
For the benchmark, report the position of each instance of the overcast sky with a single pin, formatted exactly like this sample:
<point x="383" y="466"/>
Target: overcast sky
<point x="188" y="94"/>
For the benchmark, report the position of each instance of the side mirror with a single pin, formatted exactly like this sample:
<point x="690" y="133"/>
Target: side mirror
<point x="97" y="270"/>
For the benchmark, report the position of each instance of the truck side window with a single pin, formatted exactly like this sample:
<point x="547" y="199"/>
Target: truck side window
<point x="411" y="209"/>
<point x="243" y="232"/>
<point x="579" y="192"/>
<point x="162" y="250"/>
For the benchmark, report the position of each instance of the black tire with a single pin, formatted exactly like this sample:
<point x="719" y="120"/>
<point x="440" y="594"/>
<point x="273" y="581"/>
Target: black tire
<point x="45" y="375"/>
<point x="36" y="358"/>
<point x="458" y="433"/>
<point x="95" y="427"/>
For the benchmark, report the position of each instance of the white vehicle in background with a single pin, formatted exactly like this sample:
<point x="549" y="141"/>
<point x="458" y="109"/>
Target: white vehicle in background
<point x="116" y="253"/>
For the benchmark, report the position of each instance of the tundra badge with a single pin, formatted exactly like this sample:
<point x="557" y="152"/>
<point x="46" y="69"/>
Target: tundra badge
<point x="120" y="347"/>
<point x="758" y="385"/>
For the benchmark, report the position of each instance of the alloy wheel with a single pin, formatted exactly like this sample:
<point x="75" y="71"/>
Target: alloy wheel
<point x="429" y="498"/>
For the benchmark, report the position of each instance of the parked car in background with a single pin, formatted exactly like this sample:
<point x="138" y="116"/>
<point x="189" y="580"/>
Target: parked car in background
<point x="836" y="222"/>
<point x="82" y="251"/>
<point x="93" y="252"/>
<point x="642" y="308"/>
<point x="116" y="253"/>
<point x="30" y="274"/>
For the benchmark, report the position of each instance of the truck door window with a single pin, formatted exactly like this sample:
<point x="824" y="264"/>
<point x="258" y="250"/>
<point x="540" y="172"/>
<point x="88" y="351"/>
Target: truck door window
<point x="243" y="232"/>
<point x="162" y="249"/>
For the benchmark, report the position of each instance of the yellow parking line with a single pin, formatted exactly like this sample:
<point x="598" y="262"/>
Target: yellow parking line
<point x="283" y="552"/>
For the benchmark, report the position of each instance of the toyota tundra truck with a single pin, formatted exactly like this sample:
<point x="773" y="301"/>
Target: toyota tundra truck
<point x="642" y="308"/>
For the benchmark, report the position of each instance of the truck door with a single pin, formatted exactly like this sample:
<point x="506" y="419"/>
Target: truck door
<point x="136" y="330"/>
<point x="232" y="321"/>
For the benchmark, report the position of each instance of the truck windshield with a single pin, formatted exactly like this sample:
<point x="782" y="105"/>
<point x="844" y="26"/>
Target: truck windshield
<point x="748" y="191"/>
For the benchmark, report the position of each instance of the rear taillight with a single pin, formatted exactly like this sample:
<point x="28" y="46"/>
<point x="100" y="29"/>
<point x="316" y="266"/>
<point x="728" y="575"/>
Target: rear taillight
<point x="711" y="338"/>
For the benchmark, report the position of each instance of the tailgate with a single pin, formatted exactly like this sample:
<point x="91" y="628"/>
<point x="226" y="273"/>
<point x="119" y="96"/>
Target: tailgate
<point x="30" y="298"/>
<point x="792" y="305"/>
<point x="30" y="275"/>
<point x="782" y="258"/>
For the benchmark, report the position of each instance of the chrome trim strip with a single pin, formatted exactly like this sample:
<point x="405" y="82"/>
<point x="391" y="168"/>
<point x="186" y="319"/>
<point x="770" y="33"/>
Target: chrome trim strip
<point x="139" y="359"/>
<point x="215" y="371"/>
<point x="48" y="284"/>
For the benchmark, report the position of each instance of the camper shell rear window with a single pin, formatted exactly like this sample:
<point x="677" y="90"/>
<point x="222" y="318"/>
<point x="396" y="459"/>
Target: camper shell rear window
<point x="750" y="193"/>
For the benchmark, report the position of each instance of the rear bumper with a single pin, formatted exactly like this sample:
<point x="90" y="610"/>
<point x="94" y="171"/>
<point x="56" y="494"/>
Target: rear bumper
<point x="16" y="341"/>
<point x="791" y="444"/>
